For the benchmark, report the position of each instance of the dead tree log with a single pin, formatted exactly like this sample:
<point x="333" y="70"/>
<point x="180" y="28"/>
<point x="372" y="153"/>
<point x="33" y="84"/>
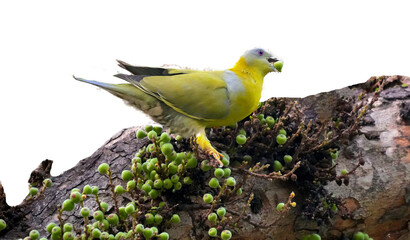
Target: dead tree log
<point x="376" y="200"/>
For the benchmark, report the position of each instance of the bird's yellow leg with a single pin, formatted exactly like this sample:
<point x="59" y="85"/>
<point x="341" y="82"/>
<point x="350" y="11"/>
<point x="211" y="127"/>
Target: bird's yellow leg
<point x="205" y="145"/>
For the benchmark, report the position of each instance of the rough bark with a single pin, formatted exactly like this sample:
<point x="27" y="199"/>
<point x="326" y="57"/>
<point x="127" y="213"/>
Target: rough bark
<point x="377" y="198"/>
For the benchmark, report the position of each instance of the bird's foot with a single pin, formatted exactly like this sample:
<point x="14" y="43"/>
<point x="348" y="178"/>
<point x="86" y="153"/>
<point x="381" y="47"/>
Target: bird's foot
<point x="215" y="157"/>
<point x="205" y="145"/>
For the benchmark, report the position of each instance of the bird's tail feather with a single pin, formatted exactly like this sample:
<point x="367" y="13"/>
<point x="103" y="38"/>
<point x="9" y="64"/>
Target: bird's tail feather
<point x="106" y="86"/>
<point x="132" y="95"/>
<point x="157" y="110"/>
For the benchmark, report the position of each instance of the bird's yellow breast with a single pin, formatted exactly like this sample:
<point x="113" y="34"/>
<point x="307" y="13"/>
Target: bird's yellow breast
<point x="244" y="86"/>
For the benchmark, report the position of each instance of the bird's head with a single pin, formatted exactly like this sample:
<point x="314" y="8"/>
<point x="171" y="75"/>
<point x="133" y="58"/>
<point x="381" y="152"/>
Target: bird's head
<point x="262" y="61"/>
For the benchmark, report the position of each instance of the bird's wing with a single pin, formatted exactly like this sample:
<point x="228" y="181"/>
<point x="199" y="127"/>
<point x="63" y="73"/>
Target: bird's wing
<point x="199" y="94"/>
<point x="150" y="71"/>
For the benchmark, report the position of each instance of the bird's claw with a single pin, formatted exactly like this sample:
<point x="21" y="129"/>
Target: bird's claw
<point x="215" y="157"/>
<point x="205" y="145"/>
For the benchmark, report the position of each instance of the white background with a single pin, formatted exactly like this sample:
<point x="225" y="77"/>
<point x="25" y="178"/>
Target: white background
<point x="46" y="114"/>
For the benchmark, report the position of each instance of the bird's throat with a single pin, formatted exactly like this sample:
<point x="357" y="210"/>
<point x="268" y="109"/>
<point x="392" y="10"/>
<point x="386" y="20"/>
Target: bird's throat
<point x="242" y="68"/>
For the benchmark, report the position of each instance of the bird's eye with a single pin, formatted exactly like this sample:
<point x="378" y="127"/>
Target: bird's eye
<point x="260" y="52"/>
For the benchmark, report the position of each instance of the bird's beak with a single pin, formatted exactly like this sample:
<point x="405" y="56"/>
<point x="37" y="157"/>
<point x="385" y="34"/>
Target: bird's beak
<point x="272" y="63"/>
